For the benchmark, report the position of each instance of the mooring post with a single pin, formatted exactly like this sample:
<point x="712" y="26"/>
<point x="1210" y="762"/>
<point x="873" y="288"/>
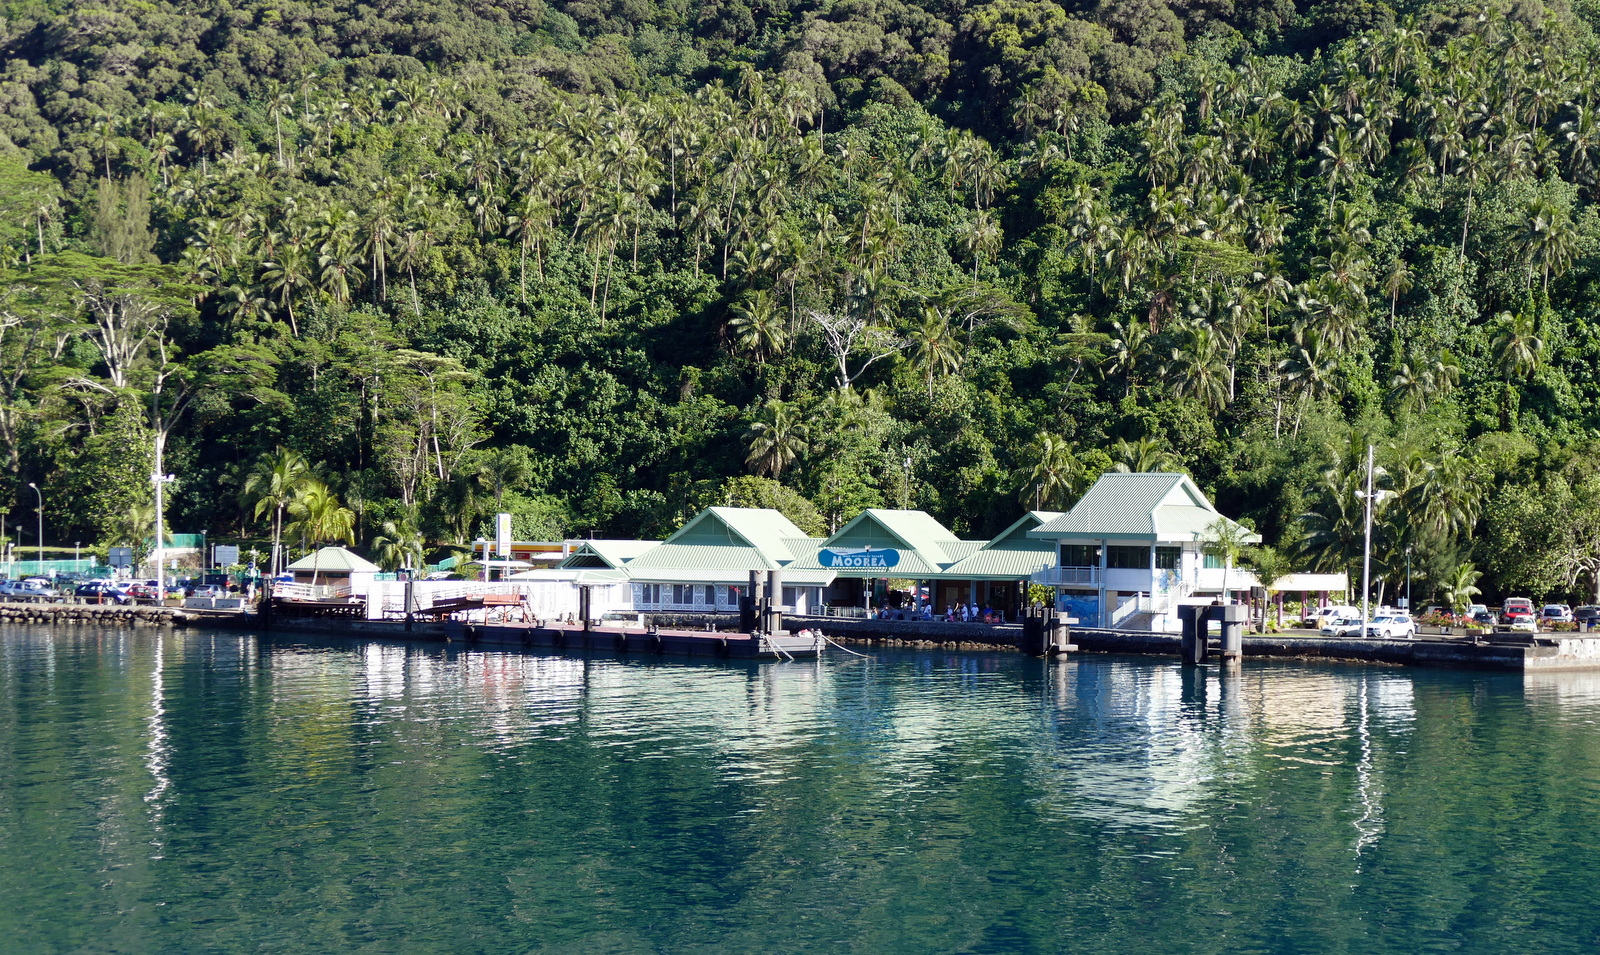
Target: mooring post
<point x="411" y="601"/>
<point x="1033" y="639"/>
<point x="1232" y="618"/>
<point x="775" y="602"/>
<point x="750" y="605"/>
<point x="1193" y="640"/>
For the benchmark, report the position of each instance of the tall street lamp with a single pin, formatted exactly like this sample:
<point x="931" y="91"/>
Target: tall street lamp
<point x="161" y="481"/>
<point x="41" y="524"/>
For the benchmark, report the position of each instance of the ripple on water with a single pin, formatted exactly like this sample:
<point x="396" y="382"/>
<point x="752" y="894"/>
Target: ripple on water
<point x="205" y="792"/>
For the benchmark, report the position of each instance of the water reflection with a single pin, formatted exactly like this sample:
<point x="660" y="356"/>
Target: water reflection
<point x="321" y="795"/>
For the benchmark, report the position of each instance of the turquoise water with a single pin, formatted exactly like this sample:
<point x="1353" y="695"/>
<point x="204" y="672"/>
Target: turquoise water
<point x="194" y="792"/>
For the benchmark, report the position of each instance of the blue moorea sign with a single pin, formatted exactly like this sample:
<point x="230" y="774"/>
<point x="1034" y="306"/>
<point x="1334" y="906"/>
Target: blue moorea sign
<point x="858" y="558"/>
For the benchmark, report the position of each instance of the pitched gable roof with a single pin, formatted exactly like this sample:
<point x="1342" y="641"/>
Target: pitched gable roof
<point x="925" y="546"/>
<point x="1142" y="506"/>
<point x="722" y="545"/>
<point x="605" y="554"/>
<point x="1011" y="554"/>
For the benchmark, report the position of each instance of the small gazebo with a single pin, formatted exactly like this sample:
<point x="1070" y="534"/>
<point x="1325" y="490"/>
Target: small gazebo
<point x="333" y="567"/>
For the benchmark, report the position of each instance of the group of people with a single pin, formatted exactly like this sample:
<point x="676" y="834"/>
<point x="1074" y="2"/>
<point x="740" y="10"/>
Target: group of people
<point x="969" y="613"/>
<point x="957" y="613"/>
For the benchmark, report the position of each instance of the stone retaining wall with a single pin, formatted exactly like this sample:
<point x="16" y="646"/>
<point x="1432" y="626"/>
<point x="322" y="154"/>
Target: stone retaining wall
<point x="91" y="613"/>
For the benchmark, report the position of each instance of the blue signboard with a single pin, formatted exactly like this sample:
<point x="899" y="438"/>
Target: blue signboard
<point x="858" y="558"/>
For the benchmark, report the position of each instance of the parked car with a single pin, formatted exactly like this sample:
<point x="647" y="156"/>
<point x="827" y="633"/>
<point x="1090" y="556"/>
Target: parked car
<point x="1588" y="613"/>
<point x="1486" y="618"/>
<point x="1395" y="625"/>
<point x="141" y="591"/>
<point x="102" y="592"/>
<point x="1556" y="613"/>
<point x="1517" y="605"/>
<point x="1522" y="621"/>
<point x="209" y="590"/>
<point x="1346" y="627"/>
<point x="32" y="589"/>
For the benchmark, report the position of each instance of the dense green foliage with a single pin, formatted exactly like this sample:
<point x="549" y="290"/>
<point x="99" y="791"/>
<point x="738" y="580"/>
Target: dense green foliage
<point x="592" y="264"/>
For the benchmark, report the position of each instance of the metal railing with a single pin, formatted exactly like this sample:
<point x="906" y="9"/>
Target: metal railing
<point x="1067" y="576"/>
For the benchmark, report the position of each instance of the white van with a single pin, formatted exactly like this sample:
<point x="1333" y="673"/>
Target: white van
<point x="1320" y="616"/>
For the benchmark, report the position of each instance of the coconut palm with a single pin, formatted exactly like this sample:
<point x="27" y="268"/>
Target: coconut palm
<point x="398" y="544"/>
<point x="1055" y="478"/>
<point x="275" y="481"/>
<point x="1517" y="344"/>
<point x="756" y="328"/>
<point x="1142" y="456"/>
<point x="1460" y="587"/>
<point x="777" y="438"/>
<point x="1226" y="540"/>
<point x="1270" y="565"/>
<point x="934" y="346"/>
<point x="319" y="518"/>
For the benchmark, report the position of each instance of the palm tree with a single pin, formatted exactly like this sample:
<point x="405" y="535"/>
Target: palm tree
<point x="1270" y="565"/>
<point x="275" y="481"/>
<point x="777" y="438"/>
<point x="398" y="544"/>
<point x="1309" y="370"/>
<point x="1140" y="457"/>
<point x="1547" y="240"/>
<point x="505" y="469"/>
<point x="319" y="517"/>
<point x="934" y="346"/>
<point x="756" y="327"/>
<point x="1226" y="540"/>
<point x="1517" y="344"/>
<point x="1418" y="379"/>
<point x="1461" y="586"/>
<point x="1055" y="477"/>
<point x="1197" y="368"/>
<point x="1130" y="343"/>
<point x="1335" y="525"/>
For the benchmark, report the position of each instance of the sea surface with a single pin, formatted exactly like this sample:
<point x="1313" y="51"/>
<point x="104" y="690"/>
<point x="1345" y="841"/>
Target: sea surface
<point x="224" y="792"/>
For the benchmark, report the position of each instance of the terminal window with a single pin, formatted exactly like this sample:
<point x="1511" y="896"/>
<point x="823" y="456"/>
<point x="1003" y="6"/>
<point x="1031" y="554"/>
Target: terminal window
<point x="1128" y="558"/>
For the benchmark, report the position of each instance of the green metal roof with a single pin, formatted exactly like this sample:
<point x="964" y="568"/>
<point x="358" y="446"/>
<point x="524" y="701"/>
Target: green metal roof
<point x="723" y="545"/>
<point x="1011" y="555"/>
<point x="1139" y="506"/>
<point x="925" y="546"/>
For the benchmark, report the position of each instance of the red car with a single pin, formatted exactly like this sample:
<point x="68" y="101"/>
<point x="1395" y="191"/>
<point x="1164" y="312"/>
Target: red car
<point x="142" y="592"/>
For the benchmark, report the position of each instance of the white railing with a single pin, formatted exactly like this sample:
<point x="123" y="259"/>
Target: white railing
<point x="309" y="592"/>
<point x="1127" y="607"/>
<point x="1068" y="576"/>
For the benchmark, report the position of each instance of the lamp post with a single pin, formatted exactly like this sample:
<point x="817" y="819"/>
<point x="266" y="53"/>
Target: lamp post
<point x="41" y="524"/>
<point x="161" y="481"/>
<point x="77" y="554"/>
<point x="483" y="545"/>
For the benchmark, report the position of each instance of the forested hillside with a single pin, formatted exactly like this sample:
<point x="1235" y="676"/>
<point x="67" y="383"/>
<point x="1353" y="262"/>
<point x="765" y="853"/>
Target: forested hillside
<point x="396" y="267"/>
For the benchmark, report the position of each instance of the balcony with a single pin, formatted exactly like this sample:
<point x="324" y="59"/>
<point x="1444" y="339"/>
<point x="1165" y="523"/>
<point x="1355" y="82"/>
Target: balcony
<point x="1068" y="577"/>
